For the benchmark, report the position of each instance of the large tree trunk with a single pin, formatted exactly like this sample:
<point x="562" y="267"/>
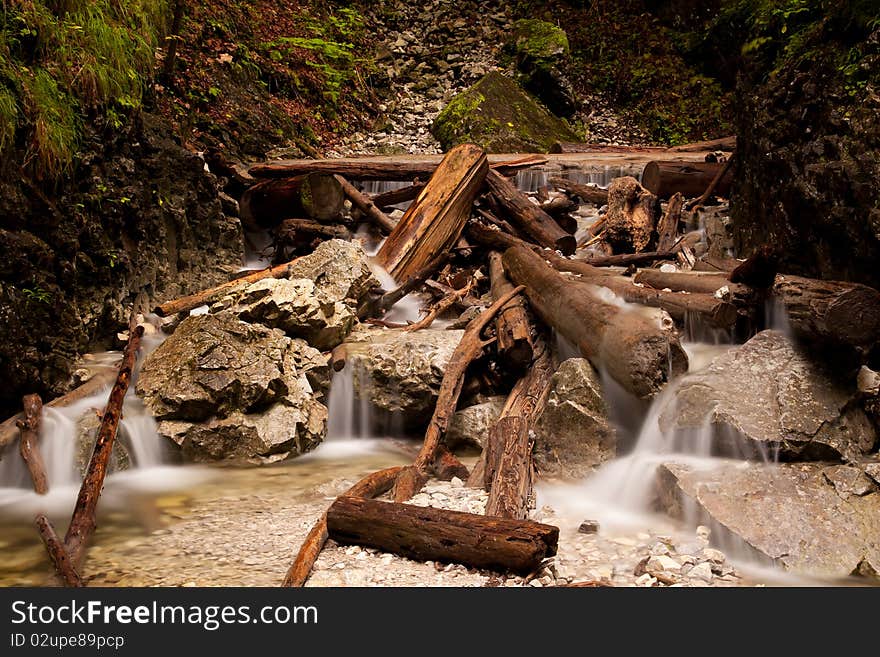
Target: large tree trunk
<point x="529" y="217"/>
<point x="434" y="221"/>
<point x="429" y="534"/>
<point x="314" y="196"/>
<point x="511" y="484"/>
<point x="512" y="324"/>
<point x="636" y="352"/>
<point x="666" y="177"/>
<point x="29" y="444"/>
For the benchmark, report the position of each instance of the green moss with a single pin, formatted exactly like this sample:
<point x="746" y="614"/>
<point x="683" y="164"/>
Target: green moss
<point x="539" y="40"/>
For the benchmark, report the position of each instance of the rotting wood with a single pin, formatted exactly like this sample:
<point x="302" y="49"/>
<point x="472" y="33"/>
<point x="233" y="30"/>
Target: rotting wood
<point x="666" y="177"/>
<point x="667" y="227"/>
<point x="512" y="323"/>
<point x="511" y="484"/>
<point x="439" y="308"/>
<point x="529" y="217"/>
<point x="632" y="217"/>
<point x="722" y="173"/>
<point x="373" y="485"/>
<point x="632" y="348"/>
<point x="434" y="221"/>
<point x="447" y="466"/>
<point x="366" y="205"/>
<point x="64" y="567"/>
<point x="430" y="534"/>
<point x="29" y="426"/>
<point x="587" y="193"/>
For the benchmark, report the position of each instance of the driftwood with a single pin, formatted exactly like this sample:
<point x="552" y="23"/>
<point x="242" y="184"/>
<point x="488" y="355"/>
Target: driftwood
<point x="529" y="217"/>
<point x="693" y="282"/>
<point x="512" y="324"/>
<point x="58" y="553"/>
<point x="391" y="167"/>
<point x="447" y="466"/>
<point x="373" y="485"/>
<point x="314" y="195"/>
<point x="29" y="427"/>
<point x="666" y="177"/>
<point x="191" y="301"/>
<point x="366" y="205"/>
<point x="439" y="308"/>
<point x="667" y="228"/>
<point x="511" y="485"/>
<point x="587" y="193"/>
<point x="631" y="220"/>
<point x="396" y="196"/>
<point x="434" y="221"/>
<point x="426" y="533"/>
<point x="632" y="348"/>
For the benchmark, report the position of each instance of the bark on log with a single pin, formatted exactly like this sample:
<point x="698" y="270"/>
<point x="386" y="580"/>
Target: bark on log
<point x="397" y="196"/>
<point x="631" y="220"/>
<point x="633" y="349"/>
<point x="434" y="221"/>
<point x="29" y="446"/>
<point x="666" y="177"/>
<point x="512" y="324"/>
<point x="294" y="234"/>
<point x="698" y="283"/>
<point x="429" y="534"/>
<point x="379" y="168"/>
<point x="314" y="195"/>
<point x="667" y="228"/>
<point x="366" y="205"/>
<point x="528" y="216"/>
<point x="448" y="466"/>
<point x="83" y="521"/>
<point x="710" y="190"/>
<point x="722" y="144"/>
<point x="587" y="193"/>
<point x="373" y="485"/>
<point x="58" y="554"/>
<point x="830" y="311"/>
<point x="512" y="473"/>
<point x="191" y="301"/>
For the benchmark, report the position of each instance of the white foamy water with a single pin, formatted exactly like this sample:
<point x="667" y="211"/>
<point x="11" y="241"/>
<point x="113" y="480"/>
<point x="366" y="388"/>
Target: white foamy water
<point x="350" y="413"/>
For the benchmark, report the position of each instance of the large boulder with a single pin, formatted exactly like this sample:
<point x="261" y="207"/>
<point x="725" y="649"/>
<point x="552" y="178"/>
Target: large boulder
<point x="498" y="115"/>
<point x="225" y="389"/>
<point x="572" y="433"/>
<point x="87" y="426"/>
<point x="791" y="514"/>
<point x="541" y="55"/>
<point x="402" y="370"/>
<point x="771" y="400"/>
<point x="470" y="426"/>
<point x="340" y="269"/>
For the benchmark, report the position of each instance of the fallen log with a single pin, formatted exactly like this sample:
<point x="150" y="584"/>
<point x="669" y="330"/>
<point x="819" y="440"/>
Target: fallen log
<point x="429" y="534"/>
<point x="373" y="485"/>
<point x="397" y="196"/>
<point x="511" y="473"/>
<point x="693" y="282"/>
<point x="29" y="427"/>
<point x="512" y="323"/>
<point x="722" y="144"/>
<point x="204" y="297"/>
<point x="313" y="195"/>
<point x="292" y="235"/>
<point x="391" y="167"/>
<point x="366" y="205"/>
<point x="830" y="311"/>
<point x="563" y="147"/>
<point x="710" y="190"/>
<point x="636" y="352"/>
<point x="666" y="177"/>
<point x="587" y="193"/>
<point x="434" y="221"/>
<point x="529" y="217"/>
<point x="667" y="228"/>
<point x="64" y="568"/>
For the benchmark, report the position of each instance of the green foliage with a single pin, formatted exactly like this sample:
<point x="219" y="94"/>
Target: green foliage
<point x="61" y="59"/>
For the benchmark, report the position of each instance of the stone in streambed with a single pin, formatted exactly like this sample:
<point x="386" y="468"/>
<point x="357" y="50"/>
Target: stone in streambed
<point x="470" y="426"/>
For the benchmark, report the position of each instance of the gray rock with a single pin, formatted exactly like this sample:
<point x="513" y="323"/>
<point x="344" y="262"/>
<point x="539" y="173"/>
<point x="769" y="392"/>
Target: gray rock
<point x="404" y="370"/>
<point x="873" y="471"/>
<point x="787" y="513"/>
<point x="86" y="433"/>
<point x="768" y="398"/>
<point x="588" y="527"/>
<point x="470" y="426"/>
<point x="702" y="571"/>
<point x="572" y="434"/>
<point x="849" y="480"/>
<point x="341" y="271"/>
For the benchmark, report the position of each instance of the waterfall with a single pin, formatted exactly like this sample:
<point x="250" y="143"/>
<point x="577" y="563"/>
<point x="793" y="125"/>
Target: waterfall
<point x="349" y="405"/>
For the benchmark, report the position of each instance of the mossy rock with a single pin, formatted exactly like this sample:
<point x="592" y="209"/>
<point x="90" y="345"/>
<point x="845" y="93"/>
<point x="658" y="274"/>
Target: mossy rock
<point x="499" y="116"/>
<point x="541" y="53"/>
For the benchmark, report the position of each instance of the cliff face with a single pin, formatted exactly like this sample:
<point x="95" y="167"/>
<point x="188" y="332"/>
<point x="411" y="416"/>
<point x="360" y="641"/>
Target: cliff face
<point x="808" y="128"/>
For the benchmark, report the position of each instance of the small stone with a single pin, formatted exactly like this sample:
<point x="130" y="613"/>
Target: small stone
<point x="703" y="532"/>
<point x="713" y="555"/>
<point x="589" y="527"/>
<point x="660" y="549"/>
<point x="702" y="572"/>
<point x="456" y="483"/>
<point x="662" y="564"/>
<point x="645" y="580"/>
<point x="536" y="583"/>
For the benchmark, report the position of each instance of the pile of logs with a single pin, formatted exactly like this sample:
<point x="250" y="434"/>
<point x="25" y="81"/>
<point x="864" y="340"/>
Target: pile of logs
<point x="470" y="234"/>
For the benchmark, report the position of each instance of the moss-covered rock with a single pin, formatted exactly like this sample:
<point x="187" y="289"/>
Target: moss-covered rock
<point x="499" y="116"/>
<point x="541" y="53"/>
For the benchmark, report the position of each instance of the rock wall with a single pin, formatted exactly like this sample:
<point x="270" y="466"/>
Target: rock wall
<point x="140" y="213"/>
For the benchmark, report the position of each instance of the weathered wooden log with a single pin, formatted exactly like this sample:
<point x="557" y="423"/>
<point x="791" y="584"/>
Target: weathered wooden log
<point x="667" y="228"/>
<point x="338" y="357"/>
<point x="373" y="485"/>
<point x="191" y="301"/>
<point x="587" y="193"/>
<point x="631" y="220"/>
<point x="666" y="177"/>
<point x="397" y="196"/>
<point x="711" y="263"/>
<point x="636" y="352"/>
<point x="391" y="167"/>
<point x="438" y="309"/>
<point x="471" y="345"/>
<point x="435" y="220"/>
<point x="693" y="282"/>
<point x="722" y="144"/>
<point x="83" y="521"/>
<point x="313" y="195"/>
<point x="710" y="190"/>
<point x="528" y="216"/>
<point x="429" y="534"/>
<point x="624" y="259"/>
<point x="830" y="311"/>
<point x="512" y="473"/>
<point x="512" y="324"/>
<point x="448" y="466"/>
<point x="366" y="205"/>
<point x="29" y="446"/>
<point x="58" y="554"/>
